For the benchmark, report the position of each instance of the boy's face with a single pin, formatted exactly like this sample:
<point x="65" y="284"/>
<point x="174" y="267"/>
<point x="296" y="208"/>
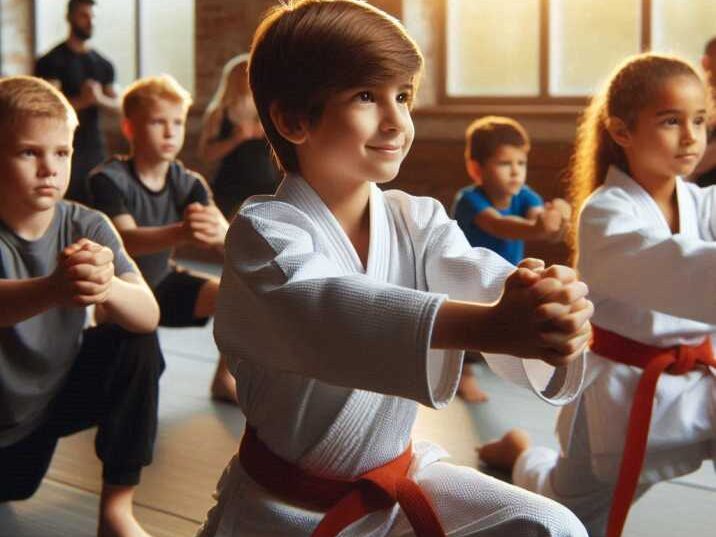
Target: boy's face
<point x="157" y="133"/>
<point x="35" y="163"/>
<point x="505" y="172"/>
<point x="363" y="134"/>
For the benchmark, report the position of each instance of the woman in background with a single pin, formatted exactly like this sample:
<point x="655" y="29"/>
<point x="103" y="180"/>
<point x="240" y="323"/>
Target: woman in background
<point x="232" y="133"/>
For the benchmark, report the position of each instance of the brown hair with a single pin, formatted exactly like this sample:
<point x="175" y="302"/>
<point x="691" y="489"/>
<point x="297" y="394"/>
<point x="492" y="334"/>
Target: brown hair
<point x="630" y="88"/>
<point x="485" y="135"/>
<point x="142" y="93"/>
<point x="74" y="4"/>
<point x="306" y="50"/>
<point x="27" y="96"/>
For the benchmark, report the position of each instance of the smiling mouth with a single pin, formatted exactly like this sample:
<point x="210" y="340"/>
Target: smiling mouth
<point x="386" y="148"/>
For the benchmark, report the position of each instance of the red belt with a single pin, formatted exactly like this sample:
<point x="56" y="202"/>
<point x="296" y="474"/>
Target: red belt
<point x="344" y="500"/>
<point x="654" y="361"/>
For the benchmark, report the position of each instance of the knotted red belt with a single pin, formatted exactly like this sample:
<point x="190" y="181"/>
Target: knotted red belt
<point x="654" y="361"/>
<point x="344" y="500"/>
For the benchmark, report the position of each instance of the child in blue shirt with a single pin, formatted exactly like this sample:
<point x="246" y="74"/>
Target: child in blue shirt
<point x="499" y="211"/>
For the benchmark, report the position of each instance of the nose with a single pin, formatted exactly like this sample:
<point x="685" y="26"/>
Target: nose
<point x="169" y="130"/>
<point x="688" y="133"/>
<point x="47" y="167"/>
<point x="394" y="117"/>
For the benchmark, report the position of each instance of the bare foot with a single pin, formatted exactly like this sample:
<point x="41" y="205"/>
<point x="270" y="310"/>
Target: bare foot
<point x="503" y="453"/>
<point x="468" y="388"/>
<point x="116" y="517"/>
<point x="120" y="527"/>
<point x="223" y="387"/>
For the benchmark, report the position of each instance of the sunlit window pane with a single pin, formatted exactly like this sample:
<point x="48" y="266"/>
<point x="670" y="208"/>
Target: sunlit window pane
<point x="114" y="37"/>
<point x="588" y="39"/>
<point x="50" y="24"/>
<point x="492" y="47"/>
<point x="683" y="27"/>
<point x="167" y="39"/>
<point x="113" y="32"/>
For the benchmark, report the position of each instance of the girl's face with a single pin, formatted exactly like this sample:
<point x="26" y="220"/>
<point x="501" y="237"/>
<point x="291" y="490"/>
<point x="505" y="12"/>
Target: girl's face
<point x="669" y="136"/>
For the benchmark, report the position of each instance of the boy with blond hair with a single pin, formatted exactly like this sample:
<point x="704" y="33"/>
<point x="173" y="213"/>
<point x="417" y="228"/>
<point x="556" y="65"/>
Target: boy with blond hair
<point x="157" y="205"/>
<point x="56" y="259"/>
<point x="343" y="306"/>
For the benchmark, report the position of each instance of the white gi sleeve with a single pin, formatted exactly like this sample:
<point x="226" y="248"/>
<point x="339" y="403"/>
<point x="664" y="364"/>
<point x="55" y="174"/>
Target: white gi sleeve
<point x="623" y="255"/>
<point x="285" y="305"/>
<point x="448" y="264"/>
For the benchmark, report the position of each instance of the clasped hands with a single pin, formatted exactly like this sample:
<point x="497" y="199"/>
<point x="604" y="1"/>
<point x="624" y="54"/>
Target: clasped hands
<point x="543" y="313"/>
<point x="204" y="225"/>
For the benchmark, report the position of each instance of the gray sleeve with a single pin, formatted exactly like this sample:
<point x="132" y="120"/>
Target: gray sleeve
<point x="100" y="230"/>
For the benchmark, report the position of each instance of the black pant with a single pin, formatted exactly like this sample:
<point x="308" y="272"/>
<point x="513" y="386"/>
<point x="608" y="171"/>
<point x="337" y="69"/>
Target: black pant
<point x="114" y="384"/>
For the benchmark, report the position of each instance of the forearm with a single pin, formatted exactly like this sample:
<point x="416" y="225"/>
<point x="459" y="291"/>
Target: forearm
<point x="108" y="102"/>
<point x="148" y="240"/>
<point x="513" y="228"/>
<point x="466" y="325"/>
<point x="131" y="305"/>
<point x="217" y="149"/>
<point x="23" y="299"/>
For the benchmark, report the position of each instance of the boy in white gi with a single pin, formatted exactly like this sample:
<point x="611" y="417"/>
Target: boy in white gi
<point x="342" y="306"/>
<point x="646" y="247"/>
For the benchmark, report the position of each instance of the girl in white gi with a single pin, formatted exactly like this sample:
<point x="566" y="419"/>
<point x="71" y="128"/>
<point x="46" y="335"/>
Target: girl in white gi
<point x="646" y="248"/>
<point x="339" y="306"/>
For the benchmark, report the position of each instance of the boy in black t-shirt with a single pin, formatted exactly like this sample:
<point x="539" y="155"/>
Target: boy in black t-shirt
<point x="157" y="204"/>
<point x="56" y="259"/>
<point x="87" y="80"/>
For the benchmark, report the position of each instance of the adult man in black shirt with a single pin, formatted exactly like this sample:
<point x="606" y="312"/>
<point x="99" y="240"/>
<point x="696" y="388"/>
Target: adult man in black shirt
<point x="87" y="79"/>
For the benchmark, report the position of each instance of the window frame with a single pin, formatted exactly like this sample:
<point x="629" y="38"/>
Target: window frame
<point x="544" y="100"/>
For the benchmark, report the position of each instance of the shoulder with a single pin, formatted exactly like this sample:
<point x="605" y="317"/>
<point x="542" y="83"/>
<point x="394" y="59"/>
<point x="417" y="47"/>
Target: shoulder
<point x="51" y="60"/>
<point x="116" y="168"/>
<point x="416" y="208"/>
<point x="101" y="60"/>
<point x="528" y="195"/>
<point x="267" y="221"/>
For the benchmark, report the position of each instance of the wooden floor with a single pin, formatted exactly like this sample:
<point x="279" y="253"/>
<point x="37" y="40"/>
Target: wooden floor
<point x="197" y="436"/>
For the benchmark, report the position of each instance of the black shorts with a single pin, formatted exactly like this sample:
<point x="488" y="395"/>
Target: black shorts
<point x="177" y="294"/>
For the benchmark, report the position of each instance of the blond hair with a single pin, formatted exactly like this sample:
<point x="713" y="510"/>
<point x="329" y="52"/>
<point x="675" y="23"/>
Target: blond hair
<point x="27" y="96"/>
<point x="304" y="51"/>
<point x="145" y="91"/>
<point x="631" y="87"/>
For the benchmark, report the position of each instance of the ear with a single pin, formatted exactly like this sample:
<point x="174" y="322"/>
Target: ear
<point x="474" y="170"/>
<point x="619" y="131"/>
<point x="706" y="62"/>
<point x="127" y="129"/>
<point x="292" y="128"/>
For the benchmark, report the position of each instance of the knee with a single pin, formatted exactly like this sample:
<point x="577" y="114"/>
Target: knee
<point x="548" y="518"/>
<point x="20" y="491"/>
<point x="142" y="353"/>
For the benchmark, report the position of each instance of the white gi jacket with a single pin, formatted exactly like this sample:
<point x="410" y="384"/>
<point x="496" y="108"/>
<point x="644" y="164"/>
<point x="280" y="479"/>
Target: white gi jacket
<point x="658" y="288"/>
<point x="331" y="359"/>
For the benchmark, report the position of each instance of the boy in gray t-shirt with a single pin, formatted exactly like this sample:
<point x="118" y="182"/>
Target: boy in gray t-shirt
<point x="56" y="259"/>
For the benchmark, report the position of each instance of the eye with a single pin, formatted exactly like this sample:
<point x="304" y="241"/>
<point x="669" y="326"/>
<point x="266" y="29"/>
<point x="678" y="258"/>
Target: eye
<point x="699" y="120"/>
<point x="63" y="153"/>
<point x="28" y="153"/>
<point x="404" y="97"/>
<point x="365" y="97"/>
<point x="178" y="122"/>
<point x="671" y="121"/>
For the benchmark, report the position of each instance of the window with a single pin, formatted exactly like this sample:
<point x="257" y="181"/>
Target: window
<point x="140" y="37"/>
<point x="558" y="51"/>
